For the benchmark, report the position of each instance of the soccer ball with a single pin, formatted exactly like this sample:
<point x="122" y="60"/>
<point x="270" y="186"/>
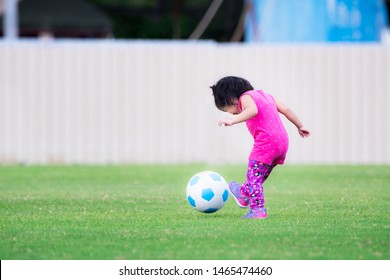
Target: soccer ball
<point x="207" y="191"/>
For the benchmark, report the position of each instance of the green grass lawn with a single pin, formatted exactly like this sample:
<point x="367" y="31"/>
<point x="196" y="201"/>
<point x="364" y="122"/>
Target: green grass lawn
<point x="141" y="212"/>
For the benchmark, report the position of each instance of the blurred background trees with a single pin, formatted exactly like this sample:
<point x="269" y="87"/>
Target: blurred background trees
<point x="266" y="21"/>
<point x="169" y="19"/>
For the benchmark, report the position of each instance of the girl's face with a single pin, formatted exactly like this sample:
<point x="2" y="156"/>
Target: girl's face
<point x="232" y="109"/>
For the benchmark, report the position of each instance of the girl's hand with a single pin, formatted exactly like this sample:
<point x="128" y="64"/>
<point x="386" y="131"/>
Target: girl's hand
<point x="225" y="122"/>
<point x="303" y="132"/>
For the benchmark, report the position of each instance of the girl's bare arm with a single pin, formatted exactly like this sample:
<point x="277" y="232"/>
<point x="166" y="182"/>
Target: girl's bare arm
<point x="292" y="117"/>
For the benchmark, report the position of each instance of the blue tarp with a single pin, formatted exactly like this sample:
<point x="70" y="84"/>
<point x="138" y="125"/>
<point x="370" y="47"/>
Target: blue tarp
<point x="315" y="20"/>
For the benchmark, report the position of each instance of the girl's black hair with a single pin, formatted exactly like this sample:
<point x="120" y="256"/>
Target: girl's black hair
<point x="229" y="88"/>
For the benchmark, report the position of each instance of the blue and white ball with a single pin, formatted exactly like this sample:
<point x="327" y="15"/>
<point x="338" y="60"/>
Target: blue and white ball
<point x="207" y="191"/>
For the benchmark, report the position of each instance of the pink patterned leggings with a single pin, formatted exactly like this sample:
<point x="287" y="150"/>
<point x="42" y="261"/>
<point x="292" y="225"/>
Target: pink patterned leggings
<point x="253" y="189"/>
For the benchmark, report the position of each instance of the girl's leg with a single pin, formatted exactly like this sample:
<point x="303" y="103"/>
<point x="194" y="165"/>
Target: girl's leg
<point x="253" y="189"/>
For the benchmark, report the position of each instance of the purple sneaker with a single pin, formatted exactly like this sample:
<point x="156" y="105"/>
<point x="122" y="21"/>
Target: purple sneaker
<point x="259" y="213"/>
<point x="234" y="189"/>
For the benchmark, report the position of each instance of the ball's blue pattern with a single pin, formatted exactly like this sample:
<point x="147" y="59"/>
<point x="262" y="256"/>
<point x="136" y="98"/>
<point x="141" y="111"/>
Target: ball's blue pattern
<point x="194" y="180"/>
<point x="191" y="201"/>
<point x="225" y="195"/>
<point x="215" y="176"/>
<point x="211" y="210"/>
<point x="207" y="194"/>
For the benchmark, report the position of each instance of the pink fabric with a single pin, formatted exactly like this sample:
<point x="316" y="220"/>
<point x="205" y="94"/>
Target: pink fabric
<point x="270" y="137"/>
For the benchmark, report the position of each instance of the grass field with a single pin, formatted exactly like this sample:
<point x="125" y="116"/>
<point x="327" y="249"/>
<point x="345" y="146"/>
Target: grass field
<point x="141" y="213"/>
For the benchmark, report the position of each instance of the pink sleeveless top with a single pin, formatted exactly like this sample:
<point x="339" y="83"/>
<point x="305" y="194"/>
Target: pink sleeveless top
<point x="269" y="135"/>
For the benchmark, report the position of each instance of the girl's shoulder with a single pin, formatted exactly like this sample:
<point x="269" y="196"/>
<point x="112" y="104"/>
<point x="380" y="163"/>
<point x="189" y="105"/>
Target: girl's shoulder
<point x="250" y="92"/>
<point x="259" y="97"/>
<point x="256" y="94"/>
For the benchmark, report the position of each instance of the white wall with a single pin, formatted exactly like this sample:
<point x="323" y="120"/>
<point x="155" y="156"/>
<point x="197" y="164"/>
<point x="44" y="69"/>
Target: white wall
<point x="150" y="102"/>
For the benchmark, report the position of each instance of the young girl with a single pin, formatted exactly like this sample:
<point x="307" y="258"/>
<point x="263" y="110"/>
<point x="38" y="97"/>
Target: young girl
<point x="260" y="112"/>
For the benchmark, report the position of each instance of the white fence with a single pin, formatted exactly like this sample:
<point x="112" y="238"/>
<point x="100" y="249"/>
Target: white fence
<point x="150" y="102"/>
